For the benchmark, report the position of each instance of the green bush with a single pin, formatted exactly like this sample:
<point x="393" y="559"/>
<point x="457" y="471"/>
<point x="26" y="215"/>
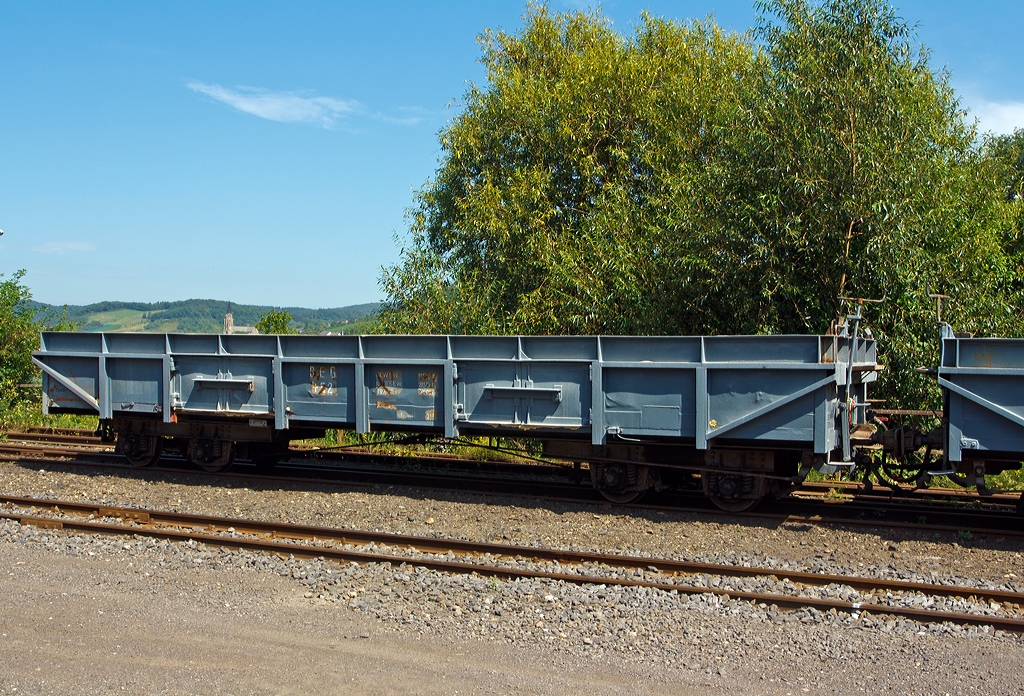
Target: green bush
<point x="19" y="336"/>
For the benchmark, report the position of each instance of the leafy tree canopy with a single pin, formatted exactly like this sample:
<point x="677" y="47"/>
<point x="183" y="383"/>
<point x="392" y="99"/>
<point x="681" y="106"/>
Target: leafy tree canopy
<point x="19" y="336"/>
<point x="275" y="322"/>
<point x="1007" y="151"/>
<point x="683" y="179"/>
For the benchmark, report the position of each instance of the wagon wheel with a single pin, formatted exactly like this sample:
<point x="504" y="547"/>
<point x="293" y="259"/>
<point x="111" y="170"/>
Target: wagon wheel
<point x="140" y="450"/>
<point x="740" y="505"/>
<point x="621" y="482"/>
<point x="622" y="497"/>
<point x="734" y="492"/>
<point x="211" y="456"/>
<point x="219" y="465"/>
<point x="213" y="468"/>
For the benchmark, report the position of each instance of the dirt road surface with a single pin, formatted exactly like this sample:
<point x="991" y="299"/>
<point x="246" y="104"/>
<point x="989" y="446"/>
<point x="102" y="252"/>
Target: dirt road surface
<point x="92" y="626"/>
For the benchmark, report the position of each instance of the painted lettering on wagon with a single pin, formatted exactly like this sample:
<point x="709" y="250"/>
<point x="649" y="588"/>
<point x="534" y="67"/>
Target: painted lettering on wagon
<point x="427" y="384"/>
<point x="389" y="383"/>
<point x="323" y="380"/>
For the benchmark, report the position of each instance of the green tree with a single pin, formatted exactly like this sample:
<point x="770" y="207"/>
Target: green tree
<point x="858" y="176"/>
<point x="19" y="336"/>
<point x="687" y="180"/>
<point x="59" y="322"/>
<point x="1007" y="154"/>
<point x="275" y="322"/>
<point x="565" y="181"/>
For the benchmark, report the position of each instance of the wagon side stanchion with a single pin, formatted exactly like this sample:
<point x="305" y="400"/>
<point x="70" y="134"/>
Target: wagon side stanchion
<point x="848" y="404"/>
<point x="945" y="331"/>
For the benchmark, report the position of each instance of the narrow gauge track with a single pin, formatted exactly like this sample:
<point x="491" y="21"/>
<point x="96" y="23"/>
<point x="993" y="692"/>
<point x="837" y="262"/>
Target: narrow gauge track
<point x="46" y="430"/>
<point x="854" y="489"/>
<point x="55" y="438"/>
<point x="328" y="543"/>
<point x="882" y="511"/>
<point x="883" y="490"/>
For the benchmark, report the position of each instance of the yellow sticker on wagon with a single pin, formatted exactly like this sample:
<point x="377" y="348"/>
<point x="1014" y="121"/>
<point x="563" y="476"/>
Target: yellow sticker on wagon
<point x="428" y="384"/>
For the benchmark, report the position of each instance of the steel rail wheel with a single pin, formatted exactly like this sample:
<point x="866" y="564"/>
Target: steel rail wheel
<point x="139" y="450"/>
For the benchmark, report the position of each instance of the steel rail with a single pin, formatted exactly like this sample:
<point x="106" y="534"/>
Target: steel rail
<point x="880" y="491"/>
<point x="147" y="519"/>
<point x="810" y="489"/>
<point x="1002" y="524"/>
<point x="483" y="484"/>
<point x="47" y="430"/>
<point x="1003" y="518"/>
<point x="898" y="507"/>
<point x="902" y="497"/>
<point x="21" y="449"/>
<point x="15" y="436"/>
<point x="446" y="460"/>
<point x="443" y="545"/>
<point x="900" y="493"/>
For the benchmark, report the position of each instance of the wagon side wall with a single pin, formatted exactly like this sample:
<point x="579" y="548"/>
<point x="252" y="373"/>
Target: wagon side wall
<point x="721" y="391"/>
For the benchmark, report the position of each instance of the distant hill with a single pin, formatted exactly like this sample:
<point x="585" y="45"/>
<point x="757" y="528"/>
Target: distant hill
<point x="207" y="316"/>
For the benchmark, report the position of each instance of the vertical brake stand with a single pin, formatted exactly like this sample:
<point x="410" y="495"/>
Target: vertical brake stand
<point x="944" y="331"/>
<point x="848" y="405"/>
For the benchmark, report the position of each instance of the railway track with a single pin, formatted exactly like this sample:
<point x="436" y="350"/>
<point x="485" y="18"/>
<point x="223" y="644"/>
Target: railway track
<point x="880" y="491"/>
<point x="883" y="491"/>
<point x="45" y="430"/>
<point x="505" y="561"/>
<point x="556" y="484"/>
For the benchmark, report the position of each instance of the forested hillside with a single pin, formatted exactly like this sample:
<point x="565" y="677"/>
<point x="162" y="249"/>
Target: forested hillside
<point x="206" y="316"/>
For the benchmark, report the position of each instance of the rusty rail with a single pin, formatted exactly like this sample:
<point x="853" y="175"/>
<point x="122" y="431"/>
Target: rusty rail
<point x="53" y="439"/>
<point x="183" y="527"/>
<point x="102" y="454"/>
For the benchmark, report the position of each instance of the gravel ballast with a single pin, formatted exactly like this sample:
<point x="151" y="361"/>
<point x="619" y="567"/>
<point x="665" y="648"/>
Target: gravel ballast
<point x="664" y="639"/>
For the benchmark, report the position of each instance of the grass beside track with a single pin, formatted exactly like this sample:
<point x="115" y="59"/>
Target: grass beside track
<point x="28" y="414"/>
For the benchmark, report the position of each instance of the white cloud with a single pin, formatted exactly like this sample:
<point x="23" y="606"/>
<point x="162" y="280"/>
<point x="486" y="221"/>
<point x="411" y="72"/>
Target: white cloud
<point x="287" y="107"/>
<point x="414" y="116"/>
<point x="63" y="247"/>
<point x="999" y="117"/>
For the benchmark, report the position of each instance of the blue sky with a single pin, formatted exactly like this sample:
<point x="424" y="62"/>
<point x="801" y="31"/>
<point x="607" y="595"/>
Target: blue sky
<point x="266" y="152"/>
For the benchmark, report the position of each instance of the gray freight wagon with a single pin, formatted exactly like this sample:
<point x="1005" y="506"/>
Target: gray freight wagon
<point x="982" y="381"/>
<point x="745" y="412"/>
